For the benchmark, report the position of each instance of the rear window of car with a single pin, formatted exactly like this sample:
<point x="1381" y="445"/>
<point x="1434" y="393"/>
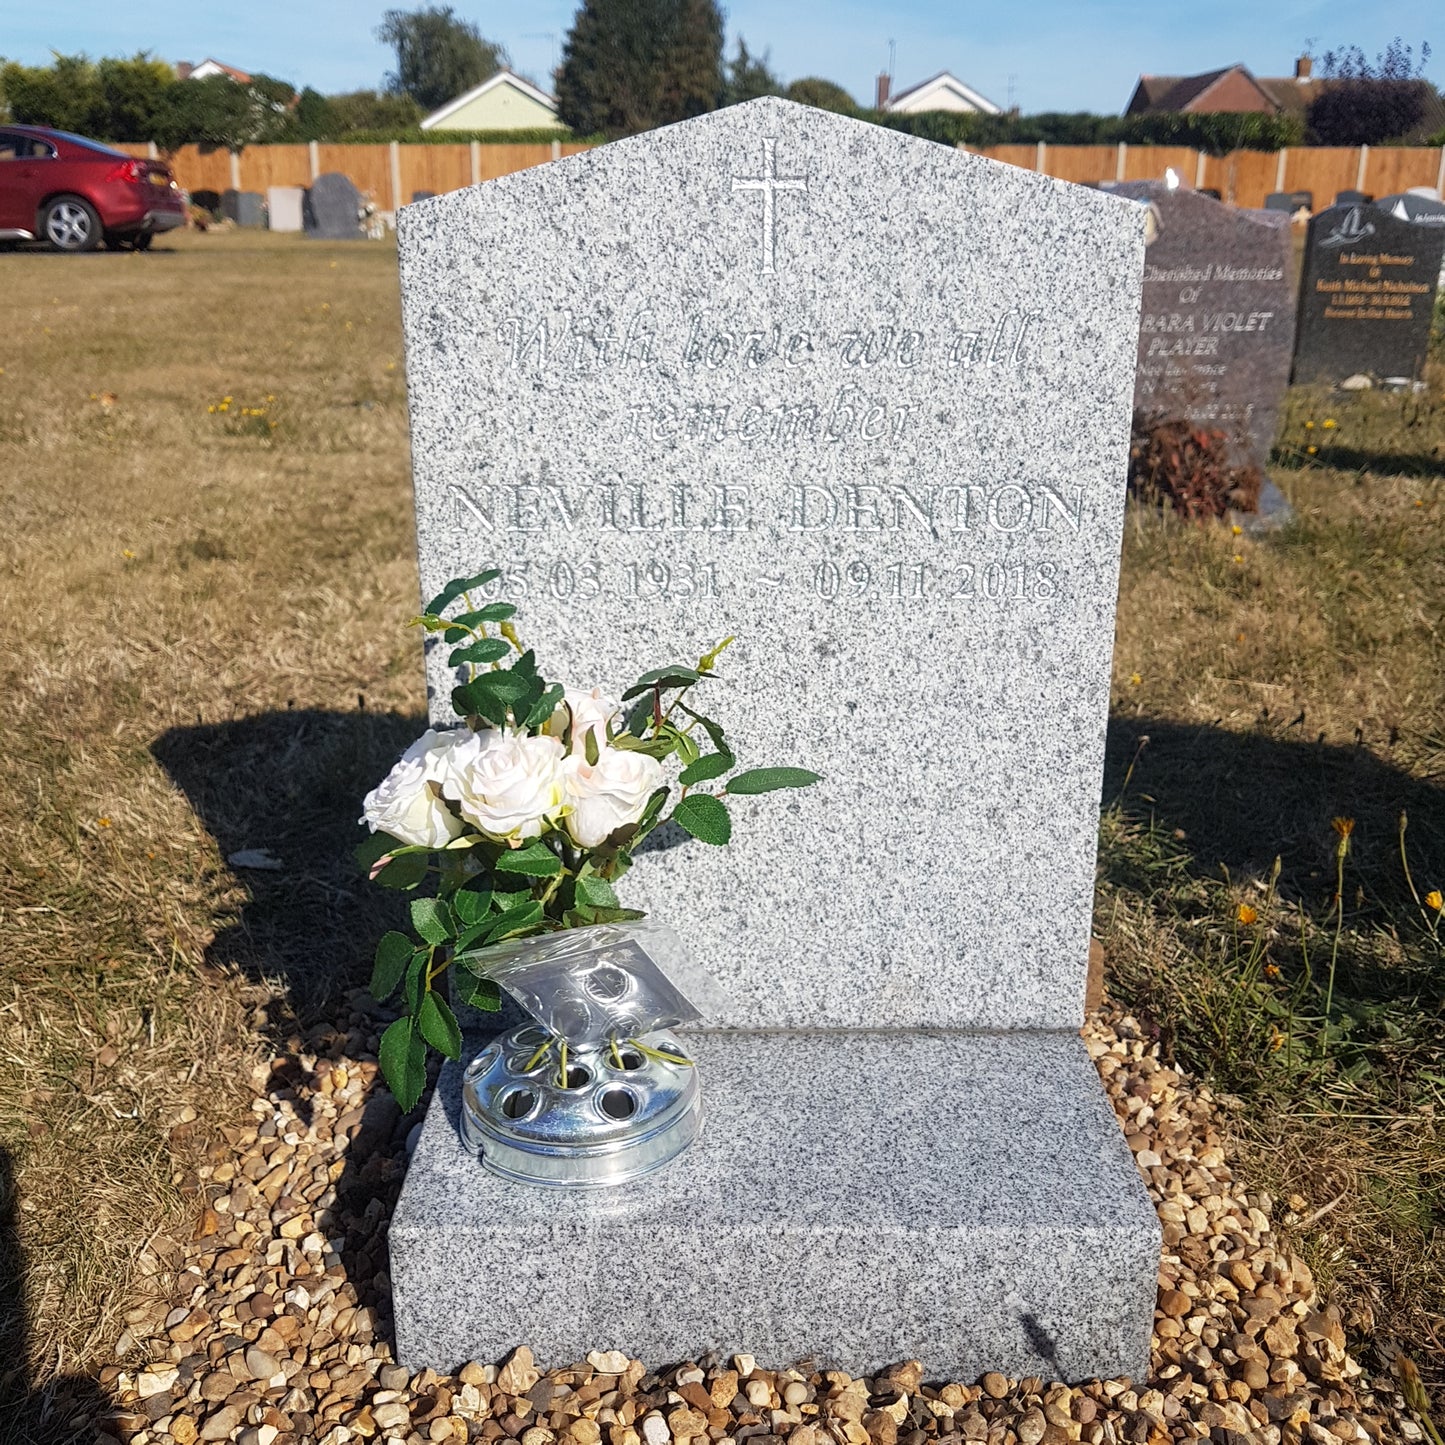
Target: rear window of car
<point x="23" y="148"/>
<point x="90" y="145"/>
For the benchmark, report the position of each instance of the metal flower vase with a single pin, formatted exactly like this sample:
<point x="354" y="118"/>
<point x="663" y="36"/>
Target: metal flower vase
<point x="598" y="1089"/>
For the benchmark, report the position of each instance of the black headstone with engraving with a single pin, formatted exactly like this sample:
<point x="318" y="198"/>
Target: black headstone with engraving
<point x="1217" y="321"/>
<point x="333" y="209"/>
<point x="1367" y="294"/>
<point x="1407" y="206"/>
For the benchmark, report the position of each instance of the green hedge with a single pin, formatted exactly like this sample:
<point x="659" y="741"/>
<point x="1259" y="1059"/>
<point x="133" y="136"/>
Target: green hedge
<point x="1216" y="134"/>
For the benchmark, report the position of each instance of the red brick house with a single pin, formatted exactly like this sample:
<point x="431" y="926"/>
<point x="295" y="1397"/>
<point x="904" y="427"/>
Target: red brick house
<point x="1232" y="89"/>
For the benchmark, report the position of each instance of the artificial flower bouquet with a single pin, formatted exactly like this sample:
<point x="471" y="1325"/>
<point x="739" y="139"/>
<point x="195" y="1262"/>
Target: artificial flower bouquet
<point x="525" y="815"/>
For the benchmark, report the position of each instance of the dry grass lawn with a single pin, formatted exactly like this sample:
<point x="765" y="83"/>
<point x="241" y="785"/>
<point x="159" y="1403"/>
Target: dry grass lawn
<point x="206" y="540"/>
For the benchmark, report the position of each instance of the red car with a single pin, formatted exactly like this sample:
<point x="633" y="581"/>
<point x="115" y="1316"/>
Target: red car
<point x="76" y="194"/>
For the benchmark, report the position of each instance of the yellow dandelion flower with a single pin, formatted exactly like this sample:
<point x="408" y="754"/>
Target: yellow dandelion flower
<point x="1343" y="826"/>
<point x="1246" y="915"/>
<point x="127" y="554"/>
<point x="1238" y="558"/>
<point x="102" y="822"/>
<point x="1330" y="423"/>
<point x="1271" y="970"/>
<point x="1276" y="1040"/>
<point x="1309" y="426"/>
<point x="1311" y="450"/>
<point x="226" y="399"/>
<point x="270" y="399"/>
<point x="1135" y="679"/>
<point x="1434" y="901"/>
<point x="1237" y="530"/>
<point x="211" y="410"/>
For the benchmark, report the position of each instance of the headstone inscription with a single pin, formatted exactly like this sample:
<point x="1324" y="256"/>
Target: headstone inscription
<point x="334" y="209"/>
<point x="837" y="391"/>
<point x="1216" y="329"/>
<point x="1406" y="206"/>
<point x="244" y="208"/>
<point x="1367" y="295"/>
<point x="286" y="208"/>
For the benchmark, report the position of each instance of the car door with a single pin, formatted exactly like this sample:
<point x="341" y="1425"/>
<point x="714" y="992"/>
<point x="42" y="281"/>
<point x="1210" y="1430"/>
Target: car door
<point x="23" y="163"/>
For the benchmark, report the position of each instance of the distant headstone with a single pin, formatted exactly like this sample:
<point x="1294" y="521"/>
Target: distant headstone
<point x="334" y="209"/>
<point x="1212" y="192"/>
<point x="1353" y="198"/>
<point x="838" y="391"/>
<point x="1407" y="206"/>
<point x="421" y="196"/>
<point x="1290" y="201"/>
<point x="1217" y="325"/>
<point x="244" y="208"/>
<point x="1367" y="295"/>
<point x="286" y="207"/>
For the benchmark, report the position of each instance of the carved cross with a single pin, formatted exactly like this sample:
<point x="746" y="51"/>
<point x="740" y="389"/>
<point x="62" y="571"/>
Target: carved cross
<point x="769" y="183"/>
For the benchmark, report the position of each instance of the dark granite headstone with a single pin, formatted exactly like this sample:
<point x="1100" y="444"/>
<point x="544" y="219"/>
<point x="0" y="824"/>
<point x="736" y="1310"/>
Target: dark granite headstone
<point x="1366" y="295"/>
<point x="1290" y="201"/>
<point x="1353" y="198"/>
<point x="1409" y="207"/>
<point x="333" y="209"/>
<point x="1217" y="322"/>
<point x="421" y="196"/>
<point x="244" y="208"/>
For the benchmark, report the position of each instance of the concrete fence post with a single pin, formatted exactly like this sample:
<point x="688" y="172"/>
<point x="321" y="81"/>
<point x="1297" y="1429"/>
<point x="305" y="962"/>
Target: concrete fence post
<point x="1440" y="174"/>
<point x="1121" y="160"/>
<point x="1041" y="158"/>
<point x="1199" y="172"/>
<point x="556" y="150"/>
<point x="394" y="155"/>
<point x="1279" y="167"/>
<point x="1362" y="168"/>
<point x="476" y="162"/>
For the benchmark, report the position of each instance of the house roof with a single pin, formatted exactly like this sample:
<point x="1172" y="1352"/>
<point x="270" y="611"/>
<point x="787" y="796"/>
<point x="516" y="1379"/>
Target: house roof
<point x="241" y="77"/>
<point x="502" y="77"/>
<point x="949" y="82"/>
<point x="1180" y="92"/>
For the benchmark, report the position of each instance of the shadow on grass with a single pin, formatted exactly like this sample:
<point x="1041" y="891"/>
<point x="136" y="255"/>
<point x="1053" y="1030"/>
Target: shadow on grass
<point x="68" y="1407"/>
<point x="1242" y="799"/>
<point x="1379" y="463"/>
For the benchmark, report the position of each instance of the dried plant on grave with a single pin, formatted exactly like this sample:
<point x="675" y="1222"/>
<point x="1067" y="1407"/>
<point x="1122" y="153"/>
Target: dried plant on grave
<point x="527" y="813"/>
<point x="1178" y="464"/>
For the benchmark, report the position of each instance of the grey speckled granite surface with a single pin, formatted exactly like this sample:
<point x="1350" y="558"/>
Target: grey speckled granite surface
<point x="863" y="401"/>
<point x="893" y="465"/>
<point x="963" y="1199"/>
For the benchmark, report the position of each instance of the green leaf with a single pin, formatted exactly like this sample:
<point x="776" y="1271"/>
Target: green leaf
<point x="769" y="780"/>
<point x="492" y="612"/>
<point x="393" y="954"/>
<point x="373" y="848"/>
<point x="545" y="706"/>
<point x="712" y="729"/>
<point x="675" y="676"/>
<point x="515" y="920"/>
<point x="639" y="717"/>
<point x="471" y="905"/>
<point x="594" y="892"/>
<point x="438" y="1026"/>
<point x="536" y="860"/>
<point x="432" y="919"/>
<point x="590" y="748"/>
<point x="456" y="587"/>
<point x="404" y="871"/>
<point x="705" y="818"/>
<point x="650" y="812"/>
<point x="403" y="1063"/>
<point x="485" y="649"/>
<point x="583" y="917"/>
<point x="414" y="987"/>
<point x="486" y="995"/>
<point x="714" y="765"/>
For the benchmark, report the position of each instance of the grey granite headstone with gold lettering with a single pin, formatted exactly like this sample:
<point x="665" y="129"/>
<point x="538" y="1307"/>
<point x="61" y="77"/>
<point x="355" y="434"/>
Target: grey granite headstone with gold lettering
<point x="862" y="401"/>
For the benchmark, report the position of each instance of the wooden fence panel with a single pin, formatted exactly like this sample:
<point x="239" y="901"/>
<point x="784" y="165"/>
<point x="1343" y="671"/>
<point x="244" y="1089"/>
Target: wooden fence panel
<point x="265" y="166"/>
<point x="1082" y="163"/>
<point x="1251" y="177"/>
<point x="438" y="168"/>
<point x="1396" y="168"/>
<point x="502" y="160"/>
<point x="368" y="166"/>
<point x="1012" y="155"/>
<point x="1148" y="163"/>
<point x="1324" y="171"/>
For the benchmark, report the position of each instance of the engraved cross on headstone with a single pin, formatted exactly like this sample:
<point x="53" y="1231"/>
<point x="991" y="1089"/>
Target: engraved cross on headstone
<point x="768" y="183"/>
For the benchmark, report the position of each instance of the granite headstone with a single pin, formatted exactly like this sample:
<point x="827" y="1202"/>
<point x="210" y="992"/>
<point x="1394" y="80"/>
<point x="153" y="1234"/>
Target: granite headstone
<point x="1290" y="201"/>
<point x="844" y="394"/>
<point x="1367" y="295"/>
<point x="1407" y="206"/>
<point x="334" y="209"/>
<point x="1353" y="198"/>
<point x="1216" y="329"/>
<point x="244" y="208"/>
<point x="286" y="208"/>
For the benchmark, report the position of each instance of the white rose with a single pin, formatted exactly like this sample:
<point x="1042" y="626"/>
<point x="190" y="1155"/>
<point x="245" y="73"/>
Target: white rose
<point x="506" y="785"/>
<point x="608" y="794"/>
<point x="586" y="712"/>
<point x="407" y="802"/>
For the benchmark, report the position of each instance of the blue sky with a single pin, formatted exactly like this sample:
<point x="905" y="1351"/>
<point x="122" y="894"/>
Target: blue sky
<point x="1046" y="55"/>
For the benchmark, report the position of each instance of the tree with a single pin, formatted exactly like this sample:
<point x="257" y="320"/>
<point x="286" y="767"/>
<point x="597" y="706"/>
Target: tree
<point x="132" y="91"/>
<point x="438" y="55"/>
<point x="66" y="95"/>
<point x="630" y="65"/>
<point x="219" y="112"/>
<point x="823" y="94"/>
<point x="368" y="110"/>
<point x="1364" y="102"/>
<point x="747" y="76"/>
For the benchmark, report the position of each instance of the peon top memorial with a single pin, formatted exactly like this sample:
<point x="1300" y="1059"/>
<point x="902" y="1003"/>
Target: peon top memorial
<point x="864" y="402"/>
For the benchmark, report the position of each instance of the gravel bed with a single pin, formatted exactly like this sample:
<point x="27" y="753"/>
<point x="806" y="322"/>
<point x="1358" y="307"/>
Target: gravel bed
<point x="271" y="1326"/>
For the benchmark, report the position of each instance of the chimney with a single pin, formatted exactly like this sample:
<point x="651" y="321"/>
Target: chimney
<point x="183" y="69"/>
<point x="885" y="82"/>
<point x="1302" y="67"/>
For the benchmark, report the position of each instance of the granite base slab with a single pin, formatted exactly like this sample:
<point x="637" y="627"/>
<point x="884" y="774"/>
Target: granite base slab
<point x="967" y="1200"/>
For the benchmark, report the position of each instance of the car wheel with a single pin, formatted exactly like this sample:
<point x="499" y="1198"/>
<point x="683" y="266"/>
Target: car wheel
<point x="143" y="241"/>
<point x="70" y="223"/>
